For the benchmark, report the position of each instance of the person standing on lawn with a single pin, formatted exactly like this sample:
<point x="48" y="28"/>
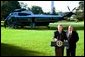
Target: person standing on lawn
<point x="59" y="35"/>
<point x="72" y="40"/>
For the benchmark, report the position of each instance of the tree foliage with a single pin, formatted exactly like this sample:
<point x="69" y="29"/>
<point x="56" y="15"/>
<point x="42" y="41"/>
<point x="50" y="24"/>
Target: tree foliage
<point x="37" y="10"/>
<point x="80" y="11"/>
<point x="8" y="7"/>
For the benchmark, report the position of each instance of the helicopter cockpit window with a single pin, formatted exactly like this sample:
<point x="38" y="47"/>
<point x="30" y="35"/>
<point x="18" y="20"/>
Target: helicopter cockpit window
<point x="23" y="14"/>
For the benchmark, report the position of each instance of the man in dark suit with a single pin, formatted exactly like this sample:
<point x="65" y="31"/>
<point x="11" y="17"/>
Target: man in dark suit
<point x="59" y="35"/>
<point x="72" y="39"/>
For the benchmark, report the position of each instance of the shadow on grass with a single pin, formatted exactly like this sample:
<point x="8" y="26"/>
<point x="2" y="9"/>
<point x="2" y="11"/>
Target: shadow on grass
<point x="10" y="50"/>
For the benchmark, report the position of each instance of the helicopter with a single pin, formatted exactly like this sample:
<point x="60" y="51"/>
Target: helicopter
<point x="23" y="17"/>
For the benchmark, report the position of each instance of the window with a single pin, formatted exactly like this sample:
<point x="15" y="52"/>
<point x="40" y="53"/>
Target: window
<point x="23" y="14"/>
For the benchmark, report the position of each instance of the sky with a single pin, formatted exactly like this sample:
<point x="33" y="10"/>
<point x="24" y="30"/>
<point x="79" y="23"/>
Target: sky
<point x="59" y="5"/>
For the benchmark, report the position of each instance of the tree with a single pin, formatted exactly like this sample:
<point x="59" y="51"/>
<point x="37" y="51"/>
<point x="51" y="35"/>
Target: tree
<point x="81" y="5"/>
<point x="47" y="13"/>
<point x="37" y="10"/>
<point x="8" y="7"/>
<point x="80" y="11"/>
<point x="24" y="5"/>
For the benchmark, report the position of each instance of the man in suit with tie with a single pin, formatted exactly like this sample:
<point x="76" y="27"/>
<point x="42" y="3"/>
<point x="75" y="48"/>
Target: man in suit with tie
<point x="59" y="35"/>
<point x="72" y="40"/>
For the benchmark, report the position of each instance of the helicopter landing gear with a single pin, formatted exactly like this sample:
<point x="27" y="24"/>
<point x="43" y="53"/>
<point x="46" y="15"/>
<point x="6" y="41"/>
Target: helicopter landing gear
<point x="32" y="25"/>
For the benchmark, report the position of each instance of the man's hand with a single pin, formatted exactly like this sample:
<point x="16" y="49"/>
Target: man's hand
<point x="55" y="39"/>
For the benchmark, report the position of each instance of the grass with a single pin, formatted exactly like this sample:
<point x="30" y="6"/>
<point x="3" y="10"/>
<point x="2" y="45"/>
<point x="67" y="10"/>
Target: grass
<point x="18" y="42"/>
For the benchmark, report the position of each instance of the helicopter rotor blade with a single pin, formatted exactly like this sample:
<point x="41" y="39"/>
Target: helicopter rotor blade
<point x="74" y="9"/>
<point x="68" y="8"/>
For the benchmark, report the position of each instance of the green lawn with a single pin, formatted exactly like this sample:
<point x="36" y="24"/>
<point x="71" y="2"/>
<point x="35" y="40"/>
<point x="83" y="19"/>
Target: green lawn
<point x="32" y="42"/>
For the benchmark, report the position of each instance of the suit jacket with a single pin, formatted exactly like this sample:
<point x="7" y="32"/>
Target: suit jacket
<point x="73" y="39"/>
<point x="59" y="36"/>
